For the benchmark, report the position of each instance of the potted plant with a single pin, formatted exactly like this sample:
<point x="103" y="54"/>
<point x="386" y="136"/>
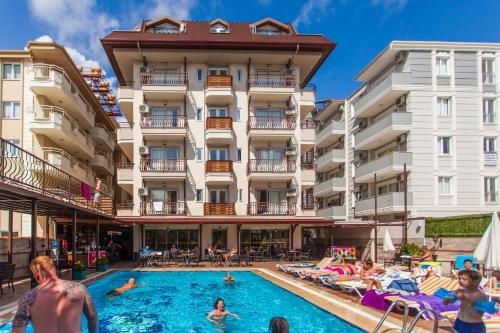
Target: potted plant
<point x="79" y="272"/>
<point x="101" y="264"/>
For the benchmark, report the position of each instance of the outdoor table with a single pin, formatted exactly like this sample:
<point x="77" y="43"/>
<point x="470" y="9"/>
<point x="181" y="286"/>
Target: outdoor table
<point x="293" y="254"/>
<point x="186" y="257"/>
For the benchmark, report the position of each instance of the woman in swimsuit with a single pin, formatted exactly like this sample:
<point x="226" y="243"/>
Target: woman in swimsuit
<point x="219" y="314"/>
<point x="129" y="285"/>
<point x="370" y="274"/>
<point x="344" y="270"/>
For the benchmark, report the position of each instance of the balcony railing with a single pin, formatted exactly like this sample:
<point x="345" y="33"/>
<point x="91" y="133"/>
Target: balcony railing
<point x="162" y="165"/>
<point x="393" y="119"/>
<point x="271" y="80"/>
<point x="272" y="208"/>
<point x="125" y="205"/>
<point x="219" y="122"/>
<point x="219" y="208"/>
<point x="273" y="166"/>
<point x="395" y="159"/>
<point x="23" y="169"/>
<point x="263" y="122"/>
<point x="163" y="121"/>
<point x="49" y="154"/>
<point x="388" y="202"/>
<point x="308" y="124"/>
<point x="219" y="81"/>
<point x="219" y="166"/>
<point x="159" y="77"/>
<point x="163" y="208"/>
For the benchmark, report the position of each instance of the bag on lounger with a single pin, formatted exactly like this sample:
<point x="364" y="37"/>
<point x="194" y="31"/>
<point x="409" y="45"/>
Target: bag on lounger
<point x="404" y="285"/>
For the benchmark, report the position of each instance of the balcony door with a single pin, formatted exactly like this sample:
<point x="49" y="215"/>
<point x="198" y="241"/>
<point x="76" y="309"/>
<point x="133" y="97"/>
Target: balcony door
<point x="269" y="118"/>
<point x="264" y="77"/>
<point x="269" y="160"/>
<point x="218" y="196"/>
<point x="165" y="117"/>
<point x="217" y="112"/>
<point x="218" y="71"/>
<point x="271" y="201"/>
<point x="218" y="154"/>
<point x="164" y="159"/>
<point x="164" y="200"/>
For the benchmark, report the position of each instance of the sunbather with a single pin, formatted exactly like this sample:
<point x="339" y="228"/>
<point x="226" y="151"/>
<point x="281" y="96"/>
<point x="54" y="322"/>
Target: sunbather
<point x="369" y="274"/>
<point x="127" y="286"/>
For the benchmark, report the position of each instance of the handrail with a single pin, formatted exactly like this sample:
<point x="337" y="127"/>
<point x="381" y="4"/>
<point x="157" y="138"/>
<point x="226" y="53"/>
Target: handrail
<point x="308" y="124"/>
<point x="272" y="208"/>
<point x="271" y="165"/>
<point x="271" y="80"/>
<point x="124" y="165"/>
<point x="162" y="165"/>
<point x="163" y="208"/>
<point x="19" y="166"/>
<point x="160" y="77"/>
<point x="417" y="317"/>
<point x="47" y="150"/>
<point x="270" y="122"/>
<point x="386" y="314"/>
<point x="163" y="121"/>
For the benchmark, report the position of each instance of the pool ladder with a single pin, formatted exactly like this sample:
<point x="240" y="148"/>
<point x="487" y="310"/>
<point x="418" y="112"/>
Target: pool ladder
<point x="405" y="318"/>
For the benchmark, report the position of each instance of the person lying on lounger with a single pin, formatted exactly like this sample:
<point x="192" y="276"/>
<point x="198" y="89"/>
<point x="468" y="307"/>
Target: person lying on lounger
<point x="370" y="274"/>
<point x="129" y="285"/>
<point x="219" y="313"/>
<point x="331" y="270"/>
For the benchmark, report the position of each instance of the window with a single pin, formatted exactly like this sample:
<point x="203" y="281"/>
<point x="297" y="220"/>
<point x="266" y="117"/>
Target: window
<point x="489" y="111"/>
<point x="199" y="154"/>
<point x="166" y="29"/>
<point x="238" y="75"/>
<point x="490" y="189"/>
<point x="489" y="145"/>
<point x="268" y="31"/>
<point x="11" y="110"/>
<point x="238" y="114"/>
<point x="217" y="112"/>
<point x="442" y="66"/>
<point x="199" y="114"/>
<point x="199" y="195"/>
<point x="240" y="194"/>
<point x="218" y="154"/>
<point x="488" y="71"/>
<point x="444" y="144"/>
<point x="11" y="71"/>
<point x="444" y="185"/>
<point x="238" y="155"/>
<point x="199" y="74"/>
<point x="12" y="150"/>
<point x="219" y="29"/>
<point x="443" y="106"/>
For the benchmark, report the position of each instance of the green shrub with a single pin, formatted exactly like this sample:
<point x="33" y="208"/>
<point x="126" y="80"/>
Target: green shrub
<point x="79" y="266"/>
<point x="411" y="249"/>
<point x="457" y="226"/>
<point x="102" y="261"/>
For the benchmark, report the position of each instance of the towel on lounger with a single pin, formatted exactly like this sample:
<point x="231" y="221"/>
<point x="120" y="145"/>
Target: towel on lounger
<point x="375" y="300"/>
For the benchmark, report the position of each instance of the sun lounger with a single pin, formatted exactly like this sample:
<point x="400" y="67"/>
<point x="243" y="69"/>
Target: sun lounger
<point x="492" y="323"/>
<point x="286" y="267"/>
<point x="321" y="265"/>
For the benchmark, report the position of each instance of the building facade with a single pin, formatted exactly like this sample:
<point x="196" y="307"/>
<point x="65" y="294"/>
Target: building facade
<point x="49" y="110"/>
<point x="217" y="135"/>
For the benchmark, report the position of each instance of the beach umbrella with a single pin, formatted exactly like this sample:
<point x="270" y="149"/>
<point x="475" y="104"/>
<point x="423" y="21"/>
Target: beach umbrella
<point x="488" y="249"/>
<point x="388" y="246"/>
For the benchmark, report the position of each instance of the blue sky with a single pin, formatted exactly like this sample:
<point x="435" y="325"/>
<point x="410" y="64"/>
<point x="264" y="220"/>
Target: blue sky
<point x="361" y="28"/>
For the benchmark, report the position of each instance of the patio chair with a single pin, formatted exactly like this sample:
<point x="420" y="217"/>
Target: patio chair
<point x="321" y="265"/>
<point x="304" y="256"/>
<point x="196" y="258"/>
<point x="7" y="275"/>
<point x="166" y="258"/>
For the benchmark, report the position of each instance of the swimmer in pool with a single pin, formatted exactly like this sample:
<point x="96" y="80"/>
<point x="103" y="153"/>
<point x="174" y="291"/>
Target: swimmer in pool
<point x="228" y="278"/>
<point x="219" y="314"/>
<point x="129" y="285"/>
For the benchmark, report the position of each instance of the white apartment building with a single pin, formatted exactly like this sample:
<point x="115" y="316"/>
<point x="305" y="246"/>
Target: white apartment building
<point x="217" y="137"/>
<point x="429" y="108"/>
<point x="49" y="110"/>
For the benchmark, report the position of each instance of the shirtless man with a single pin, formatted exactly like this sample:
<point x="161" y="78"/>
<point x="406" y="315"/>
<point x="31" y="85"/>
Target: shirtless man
<point x="54" y="306"/>
<point x="129" y="285"/>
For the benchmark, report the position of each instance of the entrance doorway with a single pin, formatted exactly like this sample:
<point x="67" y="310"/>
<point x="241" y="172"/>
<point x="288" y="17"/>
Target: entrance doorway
<point x="219" y="238"/>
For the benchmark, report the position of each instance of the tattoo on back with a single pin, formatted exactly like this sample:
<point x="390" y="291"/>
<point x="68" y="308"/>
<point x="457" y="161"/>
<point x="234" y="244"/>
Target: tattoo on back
<point x="23" y="314"/>
<point x="74" y="291"/>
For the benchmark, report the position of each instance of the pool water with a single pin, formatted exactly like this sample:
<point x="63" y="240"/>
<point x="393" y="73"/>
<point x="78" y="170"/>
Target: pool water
<point x="180" y="302"/>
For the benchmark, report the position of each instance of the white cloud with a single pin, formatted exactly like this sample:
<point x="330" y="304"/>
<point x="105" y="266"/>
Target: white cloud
<point x="180" y="9"/>
<point x="390" y="5"/>
<point x="79" y="59"/>
<point x="312" y="10"/>
<point x="44" y="39"/>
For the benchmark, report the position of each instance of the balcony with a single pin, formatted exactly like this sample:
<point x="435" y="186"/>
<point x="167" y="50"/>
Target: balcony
<point x="271" y="87"/>
<point x="271" y="169"/>
<point x="385" y="167"/>
<point x="329" y="187"/>
<point x="329" y="133"/>
<point x="219" y="130"/>
<point x="308" y="175"/>
<point x="382" y="95"/>
<point x="103" y="138"/>
<point x="103" y="163"/>
<point x="219" y="89"/>
<point x="330" y="160"/>
<point x="307" y="99"/>
<point x="125" y="176"/>
<point x="490" y="158"/>
<point x="161" y="84"/>
<point x="67" y="163"/>
<point x="334" y="212"/>
<point x="219" y="208"/>
<point x="272" y="208"/>
<point x="125" y="138"/>
<point x="218" y="172"/>
<point x="271" y="127"/>
<point x="383" y="131"/>
<point x="126" y="101"/>
<point x="163" y="169"/>
<point x="56" y="124"/>
<point x="53" y="82"/>
<point x="386" y="203"/>
<point x="163" y="126"/>
<point x="160" y="208"/>
<point x="307" y="134"/>
<point x="124" y="209"/>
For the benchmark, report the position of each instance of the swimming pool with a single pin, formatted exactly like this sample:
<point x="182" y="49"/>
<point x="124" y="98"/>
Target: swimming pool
<point x="180" y="302"/>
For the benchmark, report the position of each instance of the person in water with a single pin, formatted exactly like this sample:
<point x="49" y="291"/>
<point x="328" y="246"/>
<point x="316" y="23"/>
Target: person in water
<point x="278" y="325"/>
<point x="228" y="278"/>
<point x="219" y="313"/>
<point x="129" y="285"/>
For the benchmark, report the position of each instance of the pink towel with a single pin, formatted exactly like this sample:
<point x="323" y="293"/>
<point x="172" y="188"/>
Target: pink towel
<point x="85" y="191"/>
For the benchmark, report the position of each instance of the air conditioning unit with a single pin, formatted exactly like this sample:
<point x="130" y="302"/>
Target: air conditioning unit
<point x="144" y="108"/>
<point x="291" y="151"/>
<point x="401" y="100"/>
<point x="143" y="150"/>
<point x="291" y="192"/>
<point x="290" y="112"/>
<point x="363" y="123"/>
<point x="289" y="71"/>
<point x="143" y="191"/>
<point x="362" y="155"/>
<point x="398" y="139"/>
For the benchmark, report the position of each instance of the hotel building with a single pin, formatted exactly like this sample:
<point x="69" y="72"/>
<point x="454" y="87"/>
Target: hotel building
<point x="49" y="110"/>
<point x="217" y="137"/>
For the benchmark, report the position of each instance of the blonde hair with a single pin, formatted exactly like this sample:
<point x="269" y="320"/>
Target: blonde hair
<point x="41" y="264"/>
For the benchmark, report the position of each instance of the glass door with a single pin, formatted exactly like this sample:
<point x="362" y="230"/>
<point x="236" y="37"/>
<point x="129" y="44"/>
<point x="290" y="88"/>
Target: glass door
<point x="165" y="117"/>
<point x="217" y="154"/>
<point x="171" y="206"/>
<point x="217" y="71"/>
<point x="217" y="112"/>
<point x="218" y="196"/>
<point x="219" y="239"/>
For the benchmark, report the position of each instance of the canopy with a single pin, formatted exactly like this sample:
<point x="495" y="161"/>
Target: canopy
<point x="388" y="246"/>
<point x="488" y="249"/>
